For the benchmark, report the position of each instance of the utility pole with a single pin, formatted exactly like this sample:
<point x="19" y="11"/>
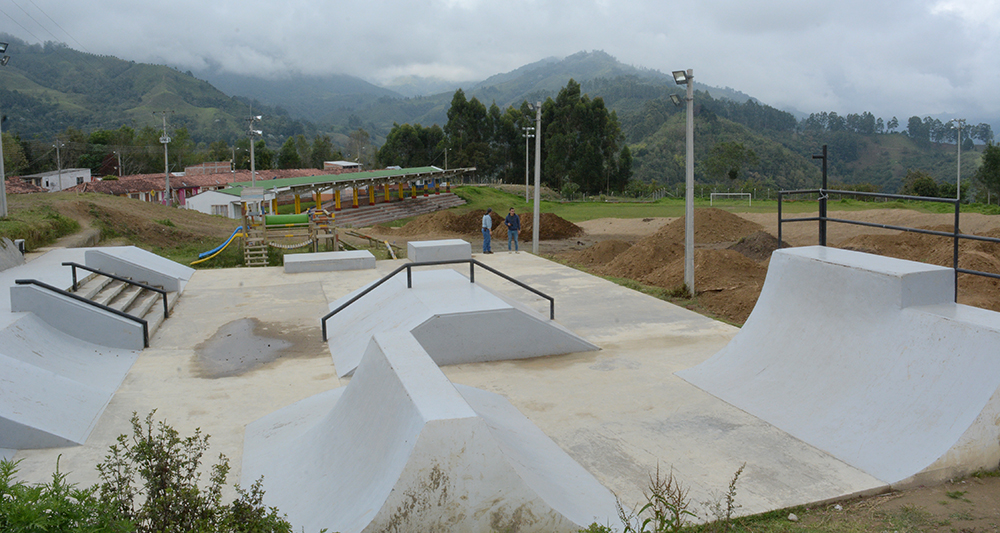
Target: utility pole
<point x="165" y="140"/>
<point x="57" y="146"/>
<point x="528" y="134"/>
<point x="3" y="176"/>
<point x="538" y="178"/>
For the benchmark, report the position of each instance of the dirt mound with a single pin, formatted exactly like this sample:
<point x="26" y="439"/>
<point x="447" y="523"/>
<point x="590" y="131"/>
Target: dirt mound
<point x="551" y="227"/>
<point x="728" y="283"/>
<point x="667" y="244"/>
<point x="431" y="223"/>
<point x="600" y="253"/>
<point x="161" y="233"/>
<point x="758" y="245"/>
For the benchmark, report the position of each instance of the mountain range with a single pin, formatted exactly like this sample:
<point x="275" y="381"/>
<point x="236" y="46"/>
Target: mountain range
<point x="48" y="89"/>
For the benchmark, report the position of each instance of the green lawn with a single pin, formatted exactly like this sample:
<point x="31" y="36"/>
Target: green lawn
<point x="483" y="197"/>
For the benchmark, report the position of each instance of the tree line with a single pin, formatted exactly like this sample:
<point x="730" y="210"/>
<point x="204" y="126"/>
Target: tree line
<point x="583" y="147"/>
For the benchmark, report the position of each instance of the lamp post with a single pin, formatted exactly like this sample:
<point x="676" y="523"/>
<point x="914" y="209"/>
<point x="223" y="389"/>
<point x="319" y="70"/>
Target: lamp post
<point x="3" y="176"/>
<point x="958" y="179"/>
<point x="528" y="134"/>
<point x="538" y="177"/>
<point x="165" y="140"/>
<point x="687" y="78"/>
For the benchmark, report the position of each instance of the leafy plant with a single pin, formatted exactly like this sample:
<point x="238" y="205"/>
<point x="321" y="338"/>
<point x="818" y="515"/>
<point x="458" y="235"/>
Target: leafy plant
<point x="724" y="508"/>
<point x="151" y="480"/>
<point x="55" y="506"/>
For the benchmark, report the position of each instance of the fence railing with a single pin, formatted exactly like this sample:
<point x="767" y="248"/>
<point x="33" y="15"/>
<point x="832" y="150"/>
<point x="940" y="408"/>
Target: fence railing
<point x="955" y="234"/>
<point x="123" y="314"/>
<point x="408" y="267"/>
<point x="162" y="293"/>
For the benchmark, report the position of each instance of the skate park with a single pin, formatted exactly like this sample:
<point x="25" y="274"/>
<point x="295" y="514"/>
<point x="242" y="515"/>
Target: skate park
<point x="664" y="388"/>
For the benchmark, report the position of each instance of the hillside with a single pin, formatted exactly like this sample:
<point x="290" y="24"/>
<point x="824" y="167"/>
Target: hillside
<point x="49" y="88"/>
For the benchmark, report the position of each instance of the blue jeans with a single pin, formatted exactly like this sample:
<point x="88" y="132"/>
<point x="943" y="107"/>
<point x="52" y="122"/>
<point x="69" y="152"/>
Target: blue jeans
<point x="511" y="236"/>
<point x="486" y="240"/>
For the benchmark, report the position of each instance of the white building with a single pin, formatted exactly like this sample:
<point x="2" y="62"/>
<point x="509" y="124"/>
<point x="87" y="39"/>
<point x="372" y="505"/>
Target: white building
<point x="59" y="180"/>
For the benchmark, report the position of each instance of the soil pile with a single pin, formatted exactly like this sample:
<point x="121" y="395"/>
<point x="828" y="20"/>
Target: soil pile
<point x="599" y="254"/>
<point x="120" y="223"/>
<point x="758" y="245"/>
<point x="728" y="283"/>
<point x="667" y="244"/>
<point x="431" y="223"/>
<point x="551" y="227"/>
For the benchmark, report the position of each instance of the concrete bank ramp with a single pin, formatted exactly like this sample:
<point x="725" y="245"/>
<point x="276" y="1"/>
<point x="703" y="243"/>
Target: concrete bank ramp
<point x="402" y="449"/>
<point x="53" y="387"/>
<point x="454" y="320"/>
<point x="869" y="359"/>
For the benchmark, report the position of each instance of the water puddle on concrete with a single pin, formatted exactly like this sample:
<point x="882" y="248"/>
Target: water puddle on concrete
<point x="240" y="347"/>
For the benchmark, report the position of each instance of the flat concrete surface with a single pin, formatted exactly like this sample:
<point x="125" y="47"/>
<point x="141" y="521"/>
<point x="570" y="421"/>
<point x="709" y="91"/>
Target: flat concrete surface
<point x="618" y="412"/>
<point x="870" y="359"/>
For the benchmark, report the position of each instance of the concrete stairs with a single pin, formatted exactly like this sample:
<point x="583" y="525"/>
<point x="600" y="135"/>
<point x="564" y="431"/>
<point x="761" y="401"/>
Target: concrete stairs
<point x="369" y="215"/>
<point x="131" y="299"/>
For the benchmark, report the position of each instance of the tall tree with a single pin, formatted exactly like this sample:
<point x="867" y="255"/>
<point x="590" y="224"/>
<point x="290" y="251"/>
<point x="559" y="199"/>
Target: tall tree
<point x="288" y="155"/>
<point x="989" y="169"/>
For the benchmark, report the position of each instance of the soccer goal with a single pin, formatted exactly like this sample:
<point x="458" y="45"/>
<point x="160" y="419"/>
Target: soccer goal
<point x="711" y="200"/>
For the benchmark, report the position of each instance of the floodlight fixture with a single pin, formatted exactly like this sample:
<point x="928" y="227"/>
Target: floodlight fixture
<point x="676" y="99"/>
<point x="680" y="77"/>
<point x="257" y="132"/>
<point x="3" y="47"/>
<point x="3" y="62"/>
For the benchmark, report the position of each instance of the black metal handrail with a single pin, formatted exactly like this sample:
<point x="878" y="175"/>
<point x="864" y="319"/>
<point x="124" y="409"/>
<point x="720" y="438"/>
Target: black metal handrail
<point x="162" y="292"/>
<point x="408" y="267"/>
<point x="955" y="234"/>
<point x="145" y="325"/>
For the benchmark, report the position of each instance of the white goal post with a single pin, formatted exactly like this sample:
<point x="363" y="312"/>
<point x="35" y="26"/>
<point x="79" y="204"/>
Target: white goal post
<point x="712" y="196"/>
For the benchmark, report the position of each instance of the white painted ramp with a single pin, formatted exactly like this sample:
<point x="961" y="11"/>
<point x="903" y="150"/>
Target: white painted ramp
<point x="400" y="448"/>
<point x="53" y="387"/>
<point x="454" y="320"/>
<point x="869" y="359"/>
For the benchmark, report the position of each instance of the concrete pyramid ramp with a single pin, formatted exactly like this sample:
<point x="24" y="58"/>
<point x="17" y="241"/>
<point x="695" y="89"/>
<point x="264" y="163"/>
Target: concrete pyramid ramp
<point x="53" y="387"/>
<point x="454" y="320"/>
<point x="402" y="449"/>
<point x="869" y="359"/>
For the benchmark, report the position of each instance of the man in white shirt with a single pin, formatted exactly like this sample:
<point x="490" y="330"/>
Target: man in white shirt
<point x="487" y="227"/>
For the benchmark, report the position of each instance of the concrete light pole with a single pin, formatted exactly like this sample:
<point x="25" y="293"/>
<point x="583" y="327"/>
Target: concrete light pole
<point x="958" y="179"/>
<point x="528" y="134"/>
<point x="687" y="78"/>
<point x="538" y="177"/>
<point x="166" y="162"/>
<point x="253" y="133"/>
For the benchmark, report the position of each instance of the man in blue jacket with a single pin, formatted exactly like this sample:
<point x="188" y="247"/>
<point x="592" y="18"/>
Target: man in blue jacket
<point x="513" y="226"/>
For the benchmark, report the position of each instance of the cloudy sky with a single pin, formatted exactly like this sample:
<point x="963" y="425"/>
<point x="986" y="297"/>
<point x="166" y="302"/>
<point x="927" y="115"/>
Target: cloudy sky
<point x="900" y="57"/>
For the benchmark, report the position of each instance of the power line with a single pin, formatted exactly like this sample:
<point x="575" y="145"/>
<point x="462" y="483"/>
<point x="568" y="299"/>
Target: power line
<point x="39" y="24"/>
<point x="60" y="27"/>
<point x="19" y="24"/>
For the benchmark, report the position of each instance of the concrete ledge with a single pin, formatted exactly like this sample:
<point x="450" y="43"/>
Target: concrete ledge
<point x="139" y="265"/>
<point x="329" y="261"/>
<point x="442" y="250"/>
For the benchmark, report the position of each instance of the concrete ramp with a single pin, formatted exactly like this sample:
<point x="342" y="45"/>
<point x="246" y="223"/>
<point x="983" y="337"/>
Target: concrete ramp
<point x="53" y="387"/>
<point x="869" y="359"/>
<point x="454" y="320"/>
<point x="402" y="449"/>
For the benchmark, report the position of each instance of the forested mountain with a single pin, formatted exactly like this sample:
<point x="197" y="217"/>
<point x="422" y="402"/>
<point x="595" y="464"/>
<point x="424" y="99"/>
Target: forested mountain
<point x="49" y="90"/>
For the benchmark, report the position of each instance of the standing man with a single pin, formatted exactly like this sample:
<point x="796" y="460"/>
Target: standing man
<point x="513" y="226"/>
<point x="487" y="226"/>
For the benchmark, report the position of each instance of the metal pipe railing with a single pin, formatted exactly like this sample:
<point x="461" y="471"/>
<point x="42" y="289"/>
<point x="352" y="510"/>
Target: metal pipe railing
<point x="409" y="285"/>
<point x="145" y="325"/>
<point x="162" y="292"/>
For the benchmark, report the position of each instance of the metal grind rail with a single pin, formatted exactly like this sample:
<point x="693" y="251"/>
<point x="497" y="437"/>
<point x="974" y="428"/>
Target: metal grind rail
<point x="955" y="235"/>
<point x="409" y="285"/>
<point x="145" y="325"/>
<point x="163" y="293"/>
